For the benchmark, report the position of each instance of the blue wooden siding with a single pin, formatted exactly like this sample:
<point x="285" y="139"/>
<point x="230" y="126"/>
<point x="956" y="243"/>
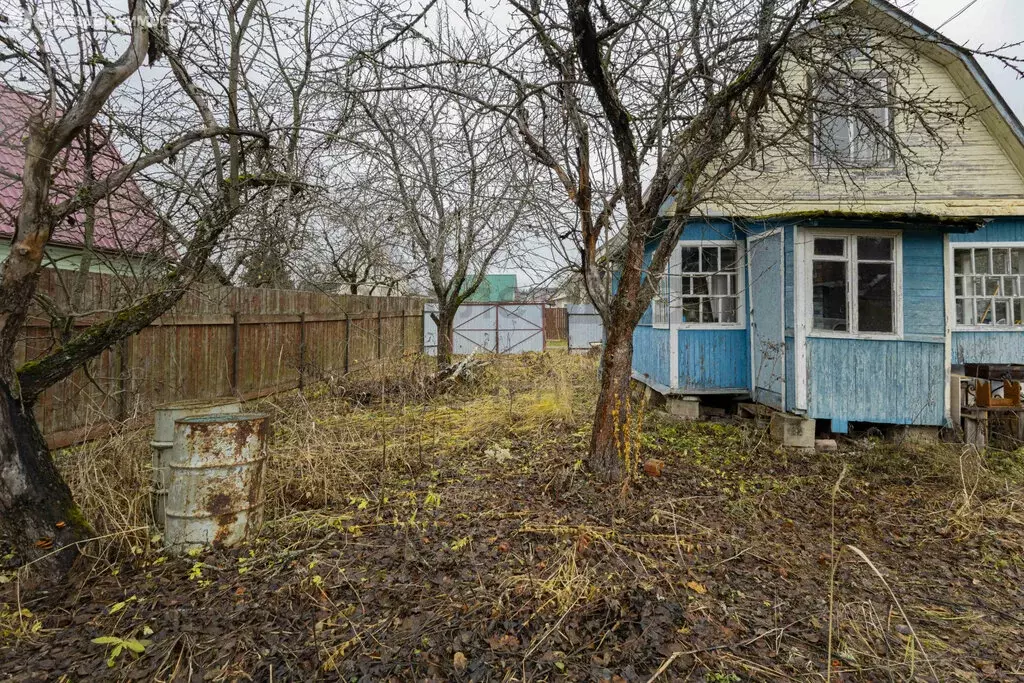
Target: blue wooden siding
<point x="988" y="347"/>
<point x="714" y="360"/>
<point x="998" y="230"/>
<point x="893" y="382"/>
<point x="651" y="354"/>
<point x="924" y="304"/>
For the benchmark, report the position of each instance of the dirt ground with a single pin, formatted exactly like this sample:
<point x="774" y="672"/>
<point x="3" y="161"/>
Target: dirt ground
<point x="412" y="535"/>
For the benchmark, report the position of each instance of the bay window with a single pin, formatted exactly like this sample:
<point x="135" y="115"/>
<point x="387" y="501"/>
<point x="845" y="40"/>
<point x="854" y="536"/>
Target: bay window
<point x="988" y="285"/>
<point x="855" y="283"/>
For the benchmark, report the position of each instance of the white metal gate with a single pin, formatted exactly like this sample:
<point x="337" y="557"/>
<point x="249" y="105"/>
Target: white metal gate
<point x="496" y="328"/>
<point x="585" y="326"/>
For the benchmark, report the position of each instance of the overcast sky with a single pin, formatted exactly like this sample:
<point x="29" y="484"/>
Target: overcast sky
<point x="986" y="23"/>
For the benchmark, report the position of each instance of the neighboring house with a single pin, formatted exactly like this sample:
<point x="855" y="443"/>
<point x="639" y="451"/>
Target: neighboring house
<point x="494" y="289"/>
<point x="855" y="306"/>
<point x="126" y="229"/>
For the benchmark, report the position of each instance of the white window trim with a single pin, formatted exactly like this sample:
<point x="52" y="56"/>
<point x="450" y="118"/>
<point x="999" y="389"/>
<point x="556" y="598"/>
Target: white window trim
<point x="851" y="282"/>
<point x="675" y="263"/>
<point x="951" y="288"/>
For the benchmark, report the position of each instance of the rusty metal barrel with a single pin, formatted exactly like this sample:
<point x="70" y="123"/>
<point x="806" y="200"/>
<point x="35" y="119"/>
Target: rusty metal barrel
<point x="163" y="442"/>
<point x="215" y="495"/>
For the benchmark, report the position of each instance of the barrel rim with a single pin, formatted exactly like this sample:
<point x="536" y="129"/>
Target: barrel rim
<point x="197" y="403"/>
<point x="222" y="418"/>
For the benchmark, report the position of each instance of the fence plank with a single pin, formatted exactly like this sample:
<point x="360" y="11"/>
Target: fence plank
<point x="216" y="342"/>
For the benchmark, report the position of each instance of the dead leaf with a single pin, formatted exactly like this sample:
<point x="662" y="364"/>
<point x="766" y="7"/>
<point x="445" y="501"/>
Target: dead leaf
<point x="696" y="587"/>
<point x="459" y="661"/>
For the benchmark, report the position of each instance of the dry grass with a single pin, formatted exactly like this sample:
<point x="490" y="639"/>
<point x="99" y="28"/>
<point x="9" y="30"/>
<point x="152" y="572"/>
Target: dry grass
<point x="343" y="435"/>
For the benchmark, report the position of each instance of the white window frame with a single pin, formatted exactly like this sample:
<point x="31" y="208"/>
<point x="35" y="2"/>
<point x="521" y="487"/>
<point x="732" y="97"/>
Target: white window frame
<point x="851" y="283"/>
<point x="675" y="298"/>
<point x="821" y="161"/>
<point x="951" y="289"/>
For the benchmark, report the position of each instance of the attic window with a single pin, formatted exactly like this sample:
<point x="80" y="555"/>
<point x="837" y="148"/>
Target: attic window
<point x="988" y="286"/>
<point x="854" y="125"/>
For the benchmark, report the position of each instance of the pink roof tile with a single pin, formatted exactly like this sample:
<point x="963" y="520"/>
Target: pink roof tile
<point x="125" y="220"/>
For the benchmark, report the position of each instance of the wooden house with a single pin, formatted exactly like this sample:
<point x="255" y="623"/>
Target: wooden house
<point x="855" y="306"/>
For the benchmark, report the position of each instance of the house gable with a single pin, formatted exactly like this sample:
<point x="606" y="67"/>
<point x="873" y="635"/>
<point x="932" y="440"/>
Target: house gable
<point x="979" y="172"/>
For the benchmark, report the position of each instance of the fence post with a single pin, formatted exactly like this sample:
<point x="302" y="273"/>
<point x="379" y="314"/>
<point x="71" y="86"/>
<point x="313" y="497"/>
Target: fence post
<point x="348" y="338"/>
<point x="302" y="350"/>
<point x="122" y="379"/>
<point x="380" y="336"/>
<point x="235" y="335"/>
<point x="497" y="317"/>
<point x="402" y="352"/>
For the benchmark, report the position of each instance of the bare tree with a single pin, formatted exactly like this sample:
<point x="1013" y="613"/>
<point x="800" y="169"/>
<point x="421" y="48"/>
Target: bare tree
<point x="194" y="129"/>
<point x="459" y="184"/>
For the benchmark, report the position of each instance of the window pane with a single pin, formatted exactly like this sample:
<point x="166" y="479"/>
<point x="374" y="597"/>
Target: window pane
<point x="833" y="138"/>
<point x="983" y="309"/>
<point x="1010" y="285"/>
<point x="958" y="286"/>
<point x="1002" y="310"/>
<point x="874" y="248"/>
<point x="719" y="284"/>
<point x="729" y="255"/>
<point x="733" y="288"/>
<point x="690" y="259"/>
<point x="829" y="295"/>
<point x="962" y="317"/>
<point x="706" y="315"/>
<point x="875" y="297"/>
<point x="962" y="261"/>
<point x="1000" y="260"/>
<point x="730" y="306"/>
<point x="691" y="309"/>
<point x="1018" y="311"/>
<point x="1017" y="261"/>
<point x="829" y="247"/>
<point x="709" y="259"/>
<point x="981" y="261"/>
<point x="993" y="286"/>
<point x="978" y="287"/>
<point x="700" y="285"/>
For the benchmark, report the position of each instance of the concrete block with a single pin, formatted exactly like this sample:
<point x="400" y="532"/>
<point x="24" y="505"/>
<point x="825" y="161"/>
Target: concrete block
<point x="792" y="431"/>
<point x="916" y="434"/>
<point x="684" y="407"/>
<point x="826" y="445"/>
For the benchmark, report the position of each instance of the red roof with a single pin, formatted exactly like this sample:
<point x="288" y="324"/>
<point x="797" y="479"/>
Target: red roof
<point x="125" y="220"/>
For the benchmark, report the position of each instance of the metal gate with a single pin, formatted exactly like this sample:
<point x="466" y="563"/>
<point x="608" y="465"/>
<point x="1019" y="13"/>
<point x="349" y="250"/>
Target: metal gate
<point x="585" y="326"/>
<point x="495" y="328"/>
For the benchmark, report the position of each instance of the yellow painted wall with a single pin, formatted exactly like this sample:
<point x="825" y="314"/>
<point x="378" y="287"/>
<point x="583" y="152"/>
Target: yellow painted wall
<point x="973" y="175"/>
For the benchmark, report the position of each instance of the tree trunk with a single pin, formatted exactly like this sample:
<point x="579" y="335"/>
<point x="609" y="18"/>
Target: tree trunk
<point x="445" y="338"/>
<point x="611" y="440"/>
<point x="38" y="517"/>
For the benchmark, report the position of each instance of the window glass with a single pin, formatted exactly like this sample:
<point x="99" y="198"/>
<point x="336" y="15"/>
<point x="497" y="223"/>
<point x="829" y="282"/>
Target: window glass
<point x="829" y="295"/>
<point x="875" y="297"/>
<point x="690" y="260"/>
<point x="874" y="248"/>
<point x="987" y="286"/>
<point x="709" y="259"/>
<point x="829" y="247"/>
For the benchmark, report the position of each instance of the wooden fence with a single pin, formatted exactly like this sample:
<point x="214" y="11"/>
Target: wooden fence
<point x="556" y="323"/>
<point x="218" y="341"/>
